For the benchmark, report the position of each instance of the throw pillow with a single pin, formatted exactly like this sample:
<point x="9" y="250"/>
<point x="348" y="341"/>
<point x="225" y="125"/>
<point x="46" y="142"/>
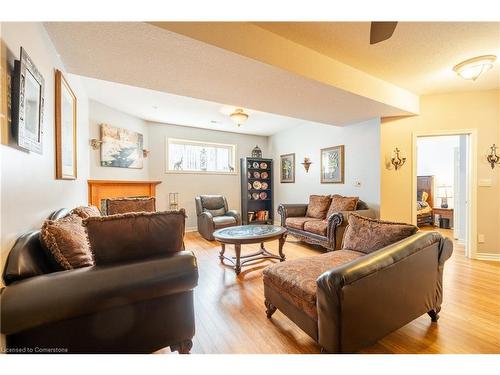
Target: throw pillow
<point x="135" y="235"/>
<point x="340" y="203"/>
<point x="86" y="211"/>
<point x="318" y="206"/>
<point x="367" y="235"/>
<point x="67" y="242"/>
<point x="125" y="205"/>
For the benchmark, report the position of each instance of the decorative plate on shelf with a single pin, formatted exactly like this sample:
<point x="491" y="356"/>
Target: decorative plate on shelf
<point x="249" y="196"/>
<point x="256" y="174"/>
<point x="257" y="185"/>
<point x="255" y="164"/>
<point x="264" y="175"/>
<point x="264" y="186"/>
<point x="263" y="195"/>
<point x="249" y="186"/>
<point x="263" y="165"/>
<point x="249" y="165"/>
<point x="255" y="196"/>
<point x="249" y="175"/>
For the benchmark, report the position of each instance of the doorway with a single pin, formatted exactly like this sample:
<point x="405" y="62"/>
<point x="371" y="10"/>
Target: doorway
<point x="443" y="189"/>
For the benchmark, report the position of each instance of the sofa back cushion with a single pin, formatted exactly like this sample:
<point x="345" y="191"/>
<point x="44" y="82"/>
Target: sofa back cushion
<point x="318" y="206"/>
<point x="86" y="211"/>
<point x="340" y="203"/>
<point x="135" y="236"/>
<point x="126" y="205"/>
<point x="367" y="235"/>
<point x="66" y="241"/>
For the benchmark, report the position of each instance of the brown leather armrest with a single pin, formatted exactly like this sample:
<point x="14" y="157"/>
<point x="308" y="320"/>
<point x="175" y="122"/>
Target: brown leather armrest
<point x="291" y="210"/>
<point x="69" y="294"/>
<point x="236" y="215"/>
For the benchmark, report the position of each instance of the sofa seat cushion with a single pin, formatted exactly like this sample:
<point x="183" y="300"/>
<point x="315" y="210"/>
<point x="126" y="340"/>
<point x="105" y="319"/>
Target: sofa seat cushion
<point x="316" y="227"/>
<point x="224" y="221"/>
<point x="367" y="235"/>
<point x="298" y="222"/>
<point x="318" y="206"/>
<point x="295" y="280"/>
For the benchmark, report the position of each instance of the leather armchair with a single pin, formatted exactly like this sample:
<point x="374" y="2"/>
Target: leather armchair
<point x="137" y="306"/>
<point x="213" y="213"/>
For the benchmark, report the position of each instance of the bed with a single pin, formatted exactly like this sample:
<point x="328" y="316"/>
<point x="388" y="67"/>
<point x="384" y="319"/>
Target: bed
<point x="425" y="199"/>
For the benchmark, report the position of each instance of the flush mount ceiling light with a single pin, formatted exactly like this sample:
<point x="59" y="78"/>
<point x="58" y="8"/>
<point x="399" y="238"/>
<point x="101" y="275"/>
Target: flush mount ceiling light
<point x="238" y="116"/>
<point x="473" y="68"/>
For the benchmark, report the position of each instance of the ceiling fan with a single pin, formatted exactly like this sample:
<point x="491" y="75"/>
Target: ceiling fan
<point x="380" y="31"/>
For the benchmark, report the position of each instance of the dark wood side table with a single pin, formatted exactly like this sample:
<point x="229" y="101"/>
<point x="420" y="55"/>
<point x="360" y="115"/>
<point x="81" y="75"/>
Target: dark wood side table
<point x="444" y="213"/>
<point x="248" y="234"/>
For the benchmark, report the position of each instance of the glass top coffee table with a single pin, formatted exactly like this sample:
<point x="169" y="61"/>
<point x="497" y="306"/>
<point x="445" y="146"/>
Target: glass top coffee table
<point x="248" y="234"/>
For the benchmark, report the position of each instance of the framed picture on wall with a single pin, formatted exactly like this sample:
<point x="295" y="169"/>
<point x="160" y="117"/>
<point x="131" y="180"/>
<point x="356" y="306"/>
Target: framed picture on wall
<point x="287" y="168"/>
<point x="28" y="103"/>
<point x="121" y="148"/>
<point x="66" y="129"/>
<point x="332" y="165"/>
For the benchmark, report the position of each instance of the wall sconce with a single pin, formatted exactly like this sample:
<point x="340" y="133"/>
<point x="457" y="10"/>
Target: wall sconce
<point x="145" y="153"/>
<point x="306" y="163"/>
<point x="95" y="143"/>
<point x="493" y="158"/>
<point x="397" y="161"/>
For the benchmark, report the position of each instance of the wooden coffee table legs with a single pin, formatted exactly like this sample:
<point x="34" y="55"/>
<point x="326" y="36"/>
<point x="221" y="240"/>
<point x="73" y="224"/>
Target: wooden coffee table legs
<point x="238" y="260"/>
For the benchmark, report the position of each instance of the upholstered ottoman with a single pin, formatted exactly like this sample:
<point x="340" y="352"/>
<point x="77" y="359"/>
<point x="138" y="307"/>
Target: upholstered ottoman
<point x="291" y="286"/>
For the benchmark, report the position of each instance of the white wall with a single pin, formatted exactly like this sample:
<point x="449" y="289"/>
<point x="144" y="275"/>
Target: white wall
<point x="435" y="157"/>
<point x="190" y="185"/>
<point x="29" y="190"/>
<point x="99" y="114"/>
<point x="362" y="152"/>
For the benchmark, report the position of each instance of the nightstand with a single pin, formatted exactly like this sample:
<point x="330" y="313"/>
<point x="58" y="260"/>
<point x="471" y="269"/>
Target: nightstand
<point x="444" y="213"/>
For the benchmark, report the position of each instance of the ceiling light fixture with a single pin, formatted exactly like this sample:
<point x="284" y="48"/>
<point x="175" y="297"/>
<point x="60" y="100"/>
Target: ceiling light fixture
<point x="473" y="68"/>
<point x="238" y="116"/>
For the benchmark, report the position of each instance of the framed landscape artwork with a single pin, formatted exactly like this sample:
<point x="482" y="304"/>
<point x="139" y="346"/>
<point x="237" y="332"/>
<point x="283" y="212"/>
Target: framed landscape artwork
<point x="66" y="129"/>
<point x="332" y="165"/>
<point x="121" y="148"/>
<point x="287" y="168"/>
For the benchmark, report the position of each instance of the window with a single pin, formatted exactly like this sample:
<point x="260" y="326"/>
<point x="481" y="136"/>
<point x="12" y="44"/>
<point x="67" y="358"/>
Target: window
<point x="186" y="156"/>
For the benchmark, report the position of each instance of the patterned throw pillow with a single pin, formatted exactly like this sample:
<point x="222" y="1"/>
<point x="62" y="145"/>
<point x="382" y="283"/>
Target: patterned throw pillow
<point x="67" y="242"/>
<point x="125" y="205"/>
<point x="86" y="211"/>
<point x="340" y="203"/>
<point x="367" y="235"/>
<point x="318" y="206"/>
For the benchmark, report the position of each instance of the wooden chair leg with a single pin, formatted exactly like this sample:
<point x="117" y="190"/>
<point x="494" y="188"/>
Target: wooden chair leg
<point x="270" y="309"/>
<point x="183" y="347"/>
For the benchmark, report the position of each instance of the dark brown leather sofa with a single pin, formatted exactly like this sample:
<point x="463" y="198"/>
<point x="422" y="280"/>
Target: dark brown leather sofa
<point x="328" y="233"/>
<point x="347" y="300"/>
<point x="213" y="213"/>
<point x="130" y="307"/>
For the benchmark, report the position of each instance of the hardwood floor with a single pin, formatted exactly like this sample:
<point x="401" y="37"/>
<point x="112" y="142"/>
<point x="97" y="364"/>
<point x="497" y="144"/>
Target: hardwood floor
<point x="230" y="315"/>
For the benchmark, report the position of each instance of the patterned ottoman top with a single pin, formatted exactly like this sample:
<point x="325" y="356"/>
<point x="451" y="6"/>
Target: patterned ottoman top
<point x="248" y="232"/>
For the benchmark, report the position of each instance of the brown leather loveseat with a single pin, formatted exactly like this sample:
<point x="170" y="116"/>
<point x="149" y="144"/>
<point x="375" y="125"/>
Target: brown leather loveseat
<point x="324" y="225"/>
<point x="348" y="299"/>
<point x="133" y="306"/>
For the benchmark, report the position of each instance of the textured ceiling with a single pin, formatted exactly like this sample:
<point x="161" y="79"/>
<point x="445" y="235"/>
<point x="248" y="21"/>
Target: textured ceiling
<point x="142" y="55"/>
<point x="419" y="57"/>
<point x="156" y="106"/>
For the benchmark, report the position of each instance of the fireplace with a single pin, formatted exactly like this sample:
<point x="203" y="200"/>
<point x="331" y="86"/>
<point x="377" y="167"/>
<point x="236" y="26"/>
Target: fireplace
<point x="104" y="189"/>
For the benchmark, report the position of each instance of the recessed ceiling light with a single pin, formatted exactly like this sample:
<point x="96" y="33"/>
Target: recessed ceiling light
<point x="473" y="68"/>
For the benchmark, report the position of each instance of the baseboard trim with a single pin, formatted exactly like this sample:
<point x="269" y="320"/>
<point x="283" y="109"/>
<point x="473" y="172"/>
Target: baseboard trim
<point x="488" y="256"/>
<point x="191" y="229"/>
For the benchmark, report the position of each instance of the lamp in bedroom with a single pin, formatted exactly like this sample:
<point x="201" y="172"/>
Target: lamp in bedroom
<point x="444" y="192"/>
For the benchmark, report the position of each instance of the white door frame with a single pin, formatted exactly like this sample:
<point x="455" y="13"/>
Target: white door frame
<point x="471" y="224"/>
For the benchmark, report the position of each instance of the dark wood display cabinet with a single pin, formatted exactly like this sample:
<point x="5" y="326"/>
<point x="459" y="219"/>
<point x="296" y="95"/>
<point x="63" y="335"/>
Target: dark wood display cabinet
<point x="257" y="191"/>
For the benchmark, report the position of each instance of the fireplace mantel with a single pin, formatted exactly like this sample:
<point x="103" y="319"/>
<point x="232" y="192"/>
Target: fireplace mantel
<point x="103" y="189"/>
